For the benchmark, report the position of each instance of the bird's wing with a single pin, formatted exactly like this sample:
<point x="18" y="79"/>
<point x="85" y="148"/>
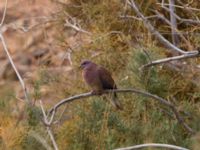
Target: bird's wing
<point x="106" y="79"/>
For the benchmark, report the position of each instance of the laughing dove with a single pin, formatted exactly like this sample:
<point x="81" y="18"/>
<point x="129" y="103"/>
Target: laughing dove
<point x="99" y="79"/>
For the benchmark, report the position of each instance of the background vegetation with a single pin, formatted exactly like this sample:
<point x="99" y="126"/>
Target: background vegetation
<point x="121" y="45"/>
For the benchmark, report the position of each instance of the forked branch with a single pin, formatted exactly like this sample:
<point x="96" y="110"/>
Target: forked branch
<point x="53" y="110"/>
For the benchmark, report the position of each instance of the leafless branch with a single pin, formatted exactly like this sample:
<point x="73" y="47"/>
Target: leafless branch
<point x="158" y="145"/>
<point x="15" y="69"/>
<point x="4" y="13"/>
<point x="53" y="110"/>
<point x="154" y="31"/>
<point x="10" y="58"/>
<point x="165" y="60"/>
<point x="48" y="127"/>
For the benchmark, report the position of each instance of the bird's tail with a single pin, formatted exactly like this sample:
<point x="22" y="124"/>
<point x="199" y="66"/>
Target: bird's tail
<point x="115" y="102"/>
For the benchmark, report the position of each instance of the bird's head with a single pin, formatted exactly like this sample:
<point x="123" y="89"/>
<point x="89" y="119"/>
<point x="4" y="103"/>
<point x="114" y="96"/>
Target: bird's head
<point x="86" y="64"/>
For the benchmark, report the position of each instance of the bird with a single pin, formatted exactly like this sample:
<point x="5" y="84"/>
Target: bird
<point x="98" y="79"/>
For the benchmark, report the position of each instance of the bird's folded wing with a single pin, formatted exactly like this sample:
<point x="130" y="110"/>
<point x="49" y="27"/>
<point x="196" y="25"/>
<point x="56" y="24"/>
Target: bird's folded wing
<point x="106" y="79"/>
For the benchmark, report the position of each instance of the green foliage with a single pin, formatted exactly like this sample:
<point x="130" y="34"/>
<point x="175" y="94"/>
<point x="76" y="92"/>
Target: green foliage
<point x="30" y="143"/>
<point x="34" y="115"/>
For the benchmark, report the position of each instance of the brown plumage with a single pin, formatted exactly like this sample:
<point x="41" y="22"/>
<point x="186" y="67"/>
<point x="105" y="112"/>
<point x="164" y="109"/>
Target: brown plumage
<point x="99" y="79"/>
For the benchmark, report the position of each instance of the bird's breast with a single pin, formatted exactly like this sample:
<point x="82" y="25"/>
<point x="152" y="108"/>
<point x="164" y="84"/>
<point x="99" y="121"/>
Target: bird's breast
<point x="91" y="77"/>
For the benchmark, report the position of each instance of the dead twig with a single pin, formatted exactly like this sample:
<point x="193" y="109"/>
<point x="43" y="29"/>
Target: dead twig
<point x="4" y="13"/>
<point x="10" y="58"/>
<point x="53" y="110"/>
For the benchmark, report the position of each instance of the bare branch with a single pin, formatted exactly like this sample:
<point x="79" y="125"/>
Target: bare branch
<point x="165" y="60"/>
<point x="48" y="127"/>
<point x="15" y="69"/>
<point x="158" y="145"/>
<point x="154" y="31"/>
<point x="4" y="13"/>
<point x="143" y="93"/>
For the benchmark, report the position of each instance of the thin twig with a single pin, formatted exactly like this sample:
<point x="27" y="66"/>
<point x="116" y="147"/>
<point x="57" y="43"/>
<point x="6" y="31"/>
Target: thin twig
<point x="143" y="93"/>
<point x="158" y="145"/>
<point x="165" y="60"/>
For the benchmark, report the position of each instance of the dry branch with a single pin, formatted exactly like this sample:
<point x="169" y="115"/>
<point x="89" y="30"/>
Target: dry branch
<point x="4" y="13"/>
<point x="15" y="69"/>
<point x="158" y="145"/>
<point x="53" y="110"/>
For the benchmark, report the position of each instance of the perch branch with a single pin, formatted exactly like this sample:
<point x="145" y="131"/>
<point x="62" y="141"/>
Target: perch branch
<point x="165" y="60"/>
<point x="53" y="110"/>
<point x="158" y="145"/>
